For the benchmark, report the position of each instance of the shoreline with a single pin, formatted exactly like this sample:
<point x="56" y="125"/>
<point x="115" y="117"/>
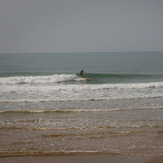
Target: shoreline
<point x="83" y="158"/>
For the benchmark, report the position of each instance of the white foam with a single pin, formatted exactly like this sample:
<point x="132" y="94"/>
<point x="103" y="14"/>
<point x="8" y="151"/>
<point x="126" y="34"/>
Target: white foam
<point x="37" y="88"/>
<point x="38" y="79"/>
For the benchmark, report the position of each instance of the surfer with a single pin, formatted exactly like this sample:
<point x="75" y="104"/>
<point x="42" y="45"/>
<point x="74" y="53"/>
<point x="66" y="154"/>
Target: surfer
<point x="81" y="73"/>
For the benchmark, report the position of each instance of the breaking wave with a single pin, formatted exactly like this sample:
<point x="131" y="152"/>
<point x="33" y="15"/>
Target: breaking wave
<point x="56" y="78"/>
<point x="95" y="78"/>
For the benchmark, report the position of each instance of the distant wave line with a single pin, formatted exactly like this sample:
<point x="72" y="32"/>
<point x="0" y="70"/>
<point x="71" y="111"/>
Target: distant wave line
<point x="122" y="75"/>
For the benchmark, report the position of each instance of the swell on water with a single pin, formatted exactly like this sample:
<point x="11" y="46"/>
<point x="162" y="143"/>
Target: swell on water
<point x="122" y="75"/>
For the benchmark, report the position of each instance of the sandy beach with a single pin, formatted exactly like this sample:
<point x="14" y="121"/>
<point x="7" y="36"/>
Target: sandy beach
<point x="81" y="159"/>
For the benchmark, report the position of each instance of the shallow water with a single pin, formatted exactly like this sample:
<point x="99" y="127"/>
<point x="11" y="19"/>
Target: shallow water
<point x="129" y="132"/>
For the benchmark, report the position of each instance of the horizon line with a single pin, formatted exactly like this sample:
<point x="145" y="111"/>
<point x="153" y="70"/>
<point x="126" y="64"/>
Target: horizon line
<point x="77" y="52"/>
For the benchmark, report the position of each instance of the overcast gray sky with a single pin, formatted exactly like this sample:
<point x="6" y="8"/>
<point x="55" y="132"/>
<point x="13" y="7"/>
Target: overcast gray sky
<point x="80" y="25"/>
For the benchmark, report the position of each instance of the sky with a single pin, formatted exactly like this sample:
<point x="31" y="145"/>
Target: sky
<point x="39" y="26"/>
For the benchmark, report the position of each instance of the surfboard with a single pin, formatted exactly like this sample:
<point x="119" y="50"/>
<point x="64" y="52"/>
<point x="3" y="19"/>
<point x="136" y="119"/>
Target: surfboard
<point x="85" y="78"/>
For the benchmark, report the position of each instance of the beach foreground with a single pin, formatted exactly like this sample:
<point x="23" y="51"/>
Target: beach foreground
<point x="85" y="159"/>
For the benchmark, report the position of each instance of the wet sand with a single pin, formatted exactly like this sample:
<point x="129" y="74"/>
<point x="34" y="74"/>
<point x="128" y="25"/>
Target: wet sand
<point x="81" y="159"/>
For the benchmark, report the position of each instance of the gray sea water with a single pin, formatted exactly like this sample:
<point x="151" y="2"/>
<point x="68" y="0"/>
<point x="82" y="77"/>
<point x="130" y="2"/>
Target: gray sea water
<point x="46" y="108"/>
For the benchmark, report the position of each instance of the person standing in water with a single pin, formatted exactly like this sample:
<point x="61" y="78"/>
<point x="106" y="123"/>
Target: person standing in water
<point x="81" y="73"/>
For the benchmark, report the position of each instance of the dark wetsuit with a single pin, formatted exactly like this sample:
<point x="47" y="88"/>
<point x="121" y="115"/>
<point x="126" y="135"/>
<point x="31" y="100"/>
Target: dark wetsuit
<point x="81" y="73"/>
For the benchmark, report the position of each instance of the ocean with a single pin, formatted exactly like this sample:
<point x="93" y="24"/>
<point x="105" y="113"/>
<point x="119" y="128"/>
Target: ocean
<point x="47" y="109"/>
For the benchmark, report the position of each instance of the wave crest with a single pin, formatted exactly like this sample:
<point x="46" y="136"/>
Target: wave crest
<point x="56" y="78"/>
